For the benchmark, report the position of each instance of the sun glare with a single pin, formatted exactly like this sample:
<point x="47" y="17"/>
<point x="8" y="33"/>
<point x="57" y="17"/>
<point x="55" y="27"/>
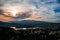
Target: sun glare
<point x="14" y="12"/>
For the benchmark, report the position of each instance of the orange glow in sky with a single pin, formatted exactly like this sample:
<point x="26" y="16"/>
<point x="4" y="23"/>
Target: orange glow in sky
<point x="15" y="12"/>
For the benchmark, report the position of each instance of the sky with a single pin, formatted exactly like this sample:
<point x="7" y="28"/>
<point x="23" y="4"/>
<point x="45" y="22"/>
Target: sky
<point x="39" y="10"/>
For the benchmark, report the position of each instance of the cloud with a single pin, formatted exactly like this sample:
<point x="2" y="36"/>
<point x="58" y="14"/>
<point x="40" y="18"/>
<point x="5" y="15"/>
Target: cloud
<point x="43" y="10"/>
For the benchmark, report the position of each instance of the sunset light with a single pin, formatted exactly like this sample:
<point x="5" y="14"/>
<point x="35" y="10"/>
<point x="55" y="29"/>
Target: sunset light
<point x="14" y="12"/>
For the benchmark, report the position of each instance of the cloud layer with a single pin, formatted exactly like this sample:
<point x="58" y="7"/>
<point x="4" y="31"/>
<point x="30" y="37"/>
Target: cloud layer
<point x="43" y="10"/>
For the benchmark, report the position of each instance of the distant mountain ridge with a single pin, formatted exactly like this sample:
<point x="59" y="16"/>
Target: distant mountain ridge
<point x="30" y="23"/>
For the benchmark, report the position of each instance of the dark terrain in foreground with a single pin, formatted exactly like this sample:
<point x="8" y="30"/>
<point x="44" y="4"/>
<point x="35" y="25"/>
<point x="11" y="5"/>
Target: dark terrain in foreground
<point x="29" y="34"/>
<point x="35" y="30"/>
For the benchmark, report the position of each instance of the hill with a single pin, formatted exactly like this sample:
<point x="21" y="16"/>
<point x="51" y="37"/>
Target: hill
<point x="30" y="23"/>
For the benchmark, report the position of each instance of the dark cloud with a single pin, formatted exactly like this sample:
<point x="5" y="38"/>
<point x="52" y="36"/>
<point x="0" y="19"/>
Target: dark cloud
<point x="21" y="16"/>
<point x="2" y="13"/>
<point x="24" y="15"/>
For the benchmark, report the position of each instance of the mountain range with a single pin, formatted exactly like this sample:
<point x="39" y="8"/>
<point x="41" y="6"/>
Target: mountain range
<point x="30" y="23"/>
